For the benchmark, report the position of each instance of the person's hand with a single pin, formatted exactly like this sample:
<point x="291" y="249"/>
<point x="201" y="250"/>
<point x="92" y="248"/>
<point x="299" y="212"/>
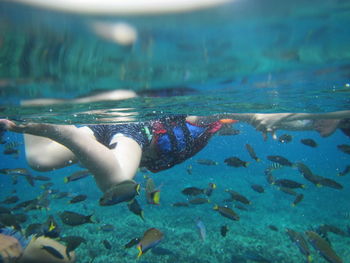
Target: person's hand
<point x="326" y="127"/>
<point x="10" y="249"/>
<point x="268" y="123"/>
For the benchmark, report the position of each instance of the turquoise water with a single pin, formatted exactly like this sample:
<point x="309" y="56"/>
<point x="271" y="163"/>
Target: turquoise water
<point x="241" y="57"/>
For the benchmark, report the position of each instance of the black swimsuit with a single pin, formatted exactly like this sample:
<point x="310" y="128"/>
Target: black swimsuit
<point x="176" y="139"/>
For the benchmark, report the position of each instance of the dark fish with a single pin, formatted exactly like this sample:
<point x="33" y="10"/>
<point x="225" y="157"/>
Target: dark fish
<point x="76" y="176"/>
<point x="122" y="192"/>
<point x="34" y="229"/>
<point x="107" y="227"/>
<point x="132" y="242"/>
<point x="150" y="239"/>
<point x="236" y="162"/>
<point x="72" y="242"/>
<point x="206" y="162"/>
<point x="55" y="253"/>
<point x="309" y="142"/>
<point x="192" y="191"/>
<point x="135" y="207"/>
<point x="323" y="247"/>
<point x="345" y="171"/>
<point x="274" y="228"/>
<point x="344" y="148"/>
<point x="11" y="148"/>
<point x="241" y="207"/>
<point x="258" y="188"/>
<point x="77" y="199"/>
<point x="226" y="212"/>
<point x="199" y="201"/>
<point x="308" y="175"/>
<point x="11" y="199"/>
<point x="10" y="220"/>
<point x="50" y="228"/>
<point x="238" y="197"/>
<point x="5" y="210"/>
<point x="12" y="171"/>
<point x="74" y="219"/>
<point x="288" y="183"/>
<point x="287" y="190"/>
<point x="107" y="244"/>
<point x="268" y="175"/>
<point x="280" y="160"/>
<point x="285" y="138"/>
<point x="299" y="240"/>
<point x="152" y="193"/>
<point x="180" y="204"/>
<point x="61" y="195"/>
<point x="209" y="190"/>
<point x="223" y="230"/>
<point x="24" y="204"/>
<point x="330" y="183"/>
<point x="251" y="152"/>
<point x="30" y="179"/>
<point x="41" y="178"/>
<point x="325" y="228"/>
<point x="21" y="218"/>
<point x="298" y="199"/>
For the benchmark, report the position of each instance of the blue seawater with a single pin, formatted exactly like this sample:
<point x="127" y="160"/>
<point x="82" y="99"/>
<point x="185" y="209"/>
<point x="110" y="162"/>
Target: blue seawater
<point x="244" y="57"/>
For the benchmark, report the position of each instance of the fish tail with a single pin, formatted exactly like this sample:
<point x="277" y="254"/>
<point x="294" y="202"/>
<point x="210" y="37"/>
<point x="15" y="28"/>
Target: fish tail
<point x="65" y="180"/>
<point x="246" y="164"/>
<point x="140" y="251"/>
<point x="309" y="258"/>
<point x="156" y="198"/>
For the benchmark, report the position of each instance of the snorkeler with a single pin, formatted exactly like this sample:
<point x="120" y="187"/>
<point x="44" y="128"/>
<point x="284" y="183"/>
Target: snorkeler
<point x="114" y="152"/>
<point x="16" y="248"/>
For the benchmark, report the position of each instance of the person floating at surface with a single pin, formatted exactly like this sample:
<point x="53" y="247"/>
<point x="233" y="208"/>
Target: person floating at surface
<point x="114" y="152"/>
<point x="16" y="248"/>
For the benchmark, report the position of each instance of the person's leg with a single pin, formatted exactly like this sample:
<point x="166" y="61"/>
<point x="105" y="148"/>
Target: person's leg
<point x="44" y="154"/>
<point x="108" y="166"/>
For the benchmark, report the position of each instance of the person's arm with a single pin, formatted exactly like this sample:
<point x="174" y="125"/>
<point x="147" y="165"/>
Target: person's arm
<point x="270" y="122"/>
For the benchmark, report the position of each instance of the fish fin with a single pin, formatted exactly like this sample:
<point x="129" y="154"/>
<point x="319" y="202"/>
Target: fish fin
<point x="52" y="226"/>
<point x="156" y="197"/>
<point x="140" y="251"/>
<point x="65" y="180"/>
